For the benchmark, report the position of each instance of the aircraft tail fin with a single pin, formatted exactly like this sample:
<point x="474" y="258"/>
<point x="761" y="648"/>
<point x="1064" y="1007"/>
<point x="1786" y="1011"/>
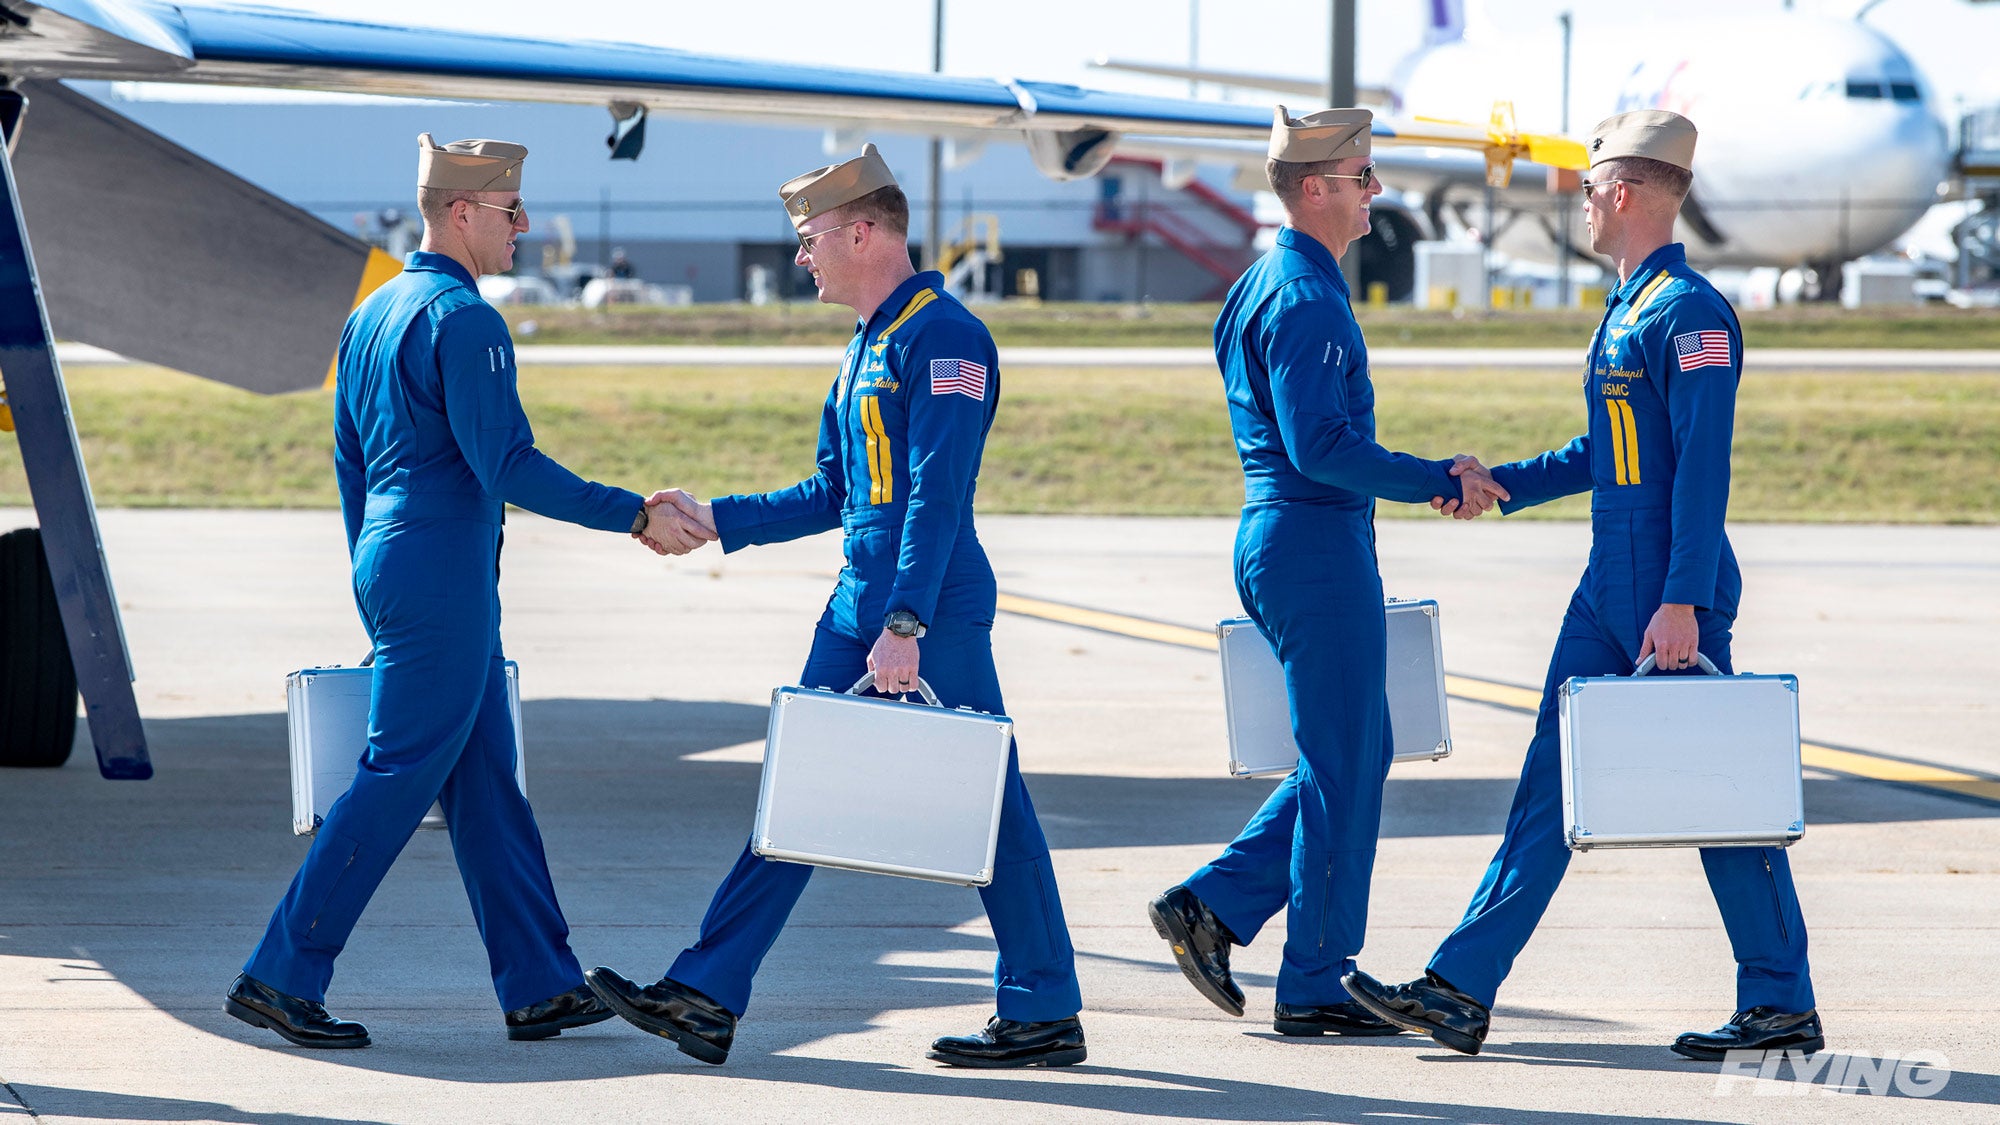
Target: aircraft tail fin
<point x="1446" y="22"/>
<point x="200" y="271"/>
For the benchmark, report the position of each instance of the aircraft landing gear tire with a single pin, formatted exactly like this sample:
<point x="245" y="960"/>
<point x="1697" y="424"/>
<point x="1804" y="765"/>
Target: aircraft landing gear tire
<point x="37" y="681"/>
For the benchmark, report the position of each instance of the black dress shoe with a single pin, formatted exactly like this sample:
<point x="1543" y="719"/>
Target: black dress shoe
<point x="1009" y="1043"/>
<point x="671" y="1010"/>
<point x="1200" y="943"/>
<point x="579" y="1007"/>
<point x="1755" y="1029"/>
<point x="304" y="1022"/>
<point x="1430" y="1006"/>
<point x="1344" y="1018"/>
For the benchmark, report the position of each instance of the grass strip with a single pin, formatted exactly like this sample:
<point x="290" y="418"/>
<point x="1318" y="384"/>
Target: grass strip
<point x="1902" y="447"/>
<point x="1022" y="324"/>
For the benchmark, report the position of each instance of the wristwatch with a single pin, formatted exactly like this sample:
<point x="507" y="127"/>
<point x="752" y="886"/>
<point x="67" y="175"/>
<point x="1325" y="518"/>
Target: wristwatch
<point x="903" y="623"/>
<point x="639" y="521"/>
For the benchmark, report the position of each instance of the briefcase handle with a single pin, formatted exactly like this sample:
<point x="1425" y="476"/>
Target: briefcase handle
<point x="1651" y="660"/>
<point x="923" y="689"/>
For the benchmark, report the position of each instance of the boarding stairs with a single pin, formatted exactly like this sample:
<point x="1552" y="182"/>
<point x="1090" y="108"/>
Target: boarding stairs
<point x="1225" y="258"/>
<point x="967" y="255"/>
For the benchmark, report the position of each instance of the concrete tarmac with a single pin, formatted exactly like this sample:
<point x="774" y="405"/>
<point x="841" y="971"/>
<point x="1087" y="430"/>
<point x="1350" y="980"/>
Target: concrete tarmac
<point x="127" y="907"/>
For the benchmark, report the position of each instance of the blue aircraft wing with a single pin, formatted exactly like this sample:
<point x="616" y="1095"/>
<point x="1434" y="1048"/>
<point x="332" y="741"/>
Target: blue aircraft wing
<point x="1070" y="130"/>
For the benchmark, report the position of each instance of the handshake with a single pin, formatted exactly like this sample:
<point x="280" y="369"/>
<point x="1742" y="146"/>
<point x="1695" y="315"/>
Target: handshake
<point x="676" y="523"/>
<point x="1479" y="491"/>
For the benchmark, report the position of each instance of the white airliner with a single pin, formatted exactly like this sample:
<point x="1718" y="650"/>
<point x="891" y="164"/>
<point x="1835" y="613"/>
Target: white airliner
<point x="1818" y="142"/>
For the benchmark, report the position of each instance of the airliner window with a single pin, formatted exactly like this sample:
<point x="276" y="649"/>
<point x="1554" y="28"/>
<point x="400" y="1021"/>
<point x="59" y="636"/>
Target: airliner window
<point x="1904" y="92"/>
<point x="1864" y="90"/>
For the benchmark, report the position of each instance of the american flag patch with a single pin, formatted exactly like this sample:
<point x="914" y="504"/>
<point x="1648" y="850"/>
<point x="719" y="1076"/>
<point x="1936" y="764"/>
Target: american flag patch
<point x="1702" y="349"/>
<point x="958" y="377"/>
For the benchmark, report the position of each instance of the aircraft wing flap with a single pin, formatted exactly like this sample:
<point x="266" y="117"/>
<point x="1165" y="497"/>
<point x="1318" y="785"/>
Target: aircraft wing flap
<point x="91" y="38"/>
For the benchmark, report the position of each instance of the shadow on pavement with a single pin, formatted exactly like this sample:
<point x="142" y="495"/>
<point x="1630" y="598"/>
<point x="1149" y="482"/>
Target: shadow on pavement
<point x="1151" y="1094"/>
<point x="167" y="884"/>
<point x="97" y="1105"/>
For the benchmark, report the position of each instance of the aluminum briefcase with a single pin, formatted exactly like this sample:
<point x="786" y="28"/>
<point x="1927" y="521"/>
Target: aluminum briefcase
<point x="1260" y="715"/>
<point x="875" y="784"/>
<point x="1680" y="761"/>
<point x="328" y="713"/>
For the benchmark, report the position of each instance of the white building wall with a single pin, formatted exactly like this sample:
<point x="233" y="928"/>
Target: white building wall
<point x="689" y="211"/>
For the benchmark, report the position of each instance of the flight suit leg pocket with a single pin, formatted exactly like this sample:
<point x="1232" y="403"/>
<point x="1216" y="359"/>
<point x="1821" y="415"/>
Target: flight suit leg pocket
<point x="871" y="554"/>
<point x="1613" y="583"/>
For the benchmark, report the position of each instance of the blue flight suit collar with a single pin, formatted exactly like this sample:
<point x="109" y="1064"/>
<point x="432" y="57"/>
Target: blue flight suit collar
<point x="1314" y="251"/>
<point x="892" y="305"/>
<point x="1672" y="254"/>
<point x="428" y="261"/>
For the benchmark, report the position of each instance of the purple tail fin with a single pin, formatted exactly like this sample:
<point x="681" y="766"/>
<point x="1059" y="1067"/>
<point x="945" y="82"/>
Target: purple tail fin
<point x="1447" y="22"/>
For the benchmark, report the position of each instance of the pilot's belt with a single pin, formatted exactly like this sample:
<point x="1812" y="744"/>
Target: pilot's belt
<point x="1260" y="491"/>
<point x="433" y="506"/>
<point x="874" y="515"/>
<point x="1629" y="498"/>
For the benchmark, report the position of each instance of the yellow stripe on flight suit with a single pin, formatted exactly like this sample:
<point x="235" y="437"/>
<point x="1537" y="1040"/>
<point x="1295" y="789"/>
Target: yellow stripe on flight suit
<point x="923" y="297"/>
<point x="881" y="469"/>
<point x="1617" y="439"/>
<point x="375" y="272"/>
<point x="881" y="464"/>
<point x="1631" y="435"/>
<point x="1646" y="296"/>
<point x="1625" y="427"/>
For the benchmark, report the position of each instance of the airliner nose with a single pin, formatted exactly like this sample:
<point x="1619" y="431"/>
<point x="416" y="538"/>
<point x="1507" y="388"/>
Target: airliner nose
<point x="1901" y="155"/>
<point x="1923" y="144"/>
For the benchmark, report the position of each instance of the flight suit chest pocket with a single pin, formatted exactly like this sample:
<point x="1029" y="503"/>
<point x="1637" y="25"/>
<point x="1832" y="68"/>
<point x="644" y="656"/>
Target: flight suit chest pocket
<point x="878" y="433"/>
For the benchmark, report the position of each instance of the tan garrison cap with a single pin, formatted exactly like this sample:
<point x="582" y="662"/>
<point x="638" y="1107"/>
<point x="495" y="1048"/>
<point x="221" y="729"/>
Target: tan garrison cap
<point x="1654" y="134"/>
<point x="469" y="165"/>
<point x="823" y="189"/>
<point x="1327" y="135"/>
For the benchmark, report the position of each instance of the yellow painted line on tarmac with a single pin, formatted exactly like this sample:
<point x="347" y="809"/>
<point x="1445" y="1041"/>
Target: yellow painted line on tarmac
<point x="1512" y="697"/>
<point x="1921" y="774"/>
<point x="1106" y="622"/>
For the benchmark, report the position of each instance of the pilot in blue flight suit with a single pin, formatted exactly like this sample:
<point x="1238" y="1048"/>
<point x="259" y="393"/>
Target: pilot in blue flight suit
<point x="900" y="442"/>
<point x="1661" y="582"/>
<point x="1295" y="370"/>
<point x="429" y="441"/>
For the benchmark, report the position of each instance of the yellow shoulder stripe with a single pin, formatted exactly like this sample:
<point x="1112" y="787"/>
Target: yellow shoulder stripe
<point x="1646" y="296"/>
<point x="923" y="297"/>
<point x="377" y="270"/>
